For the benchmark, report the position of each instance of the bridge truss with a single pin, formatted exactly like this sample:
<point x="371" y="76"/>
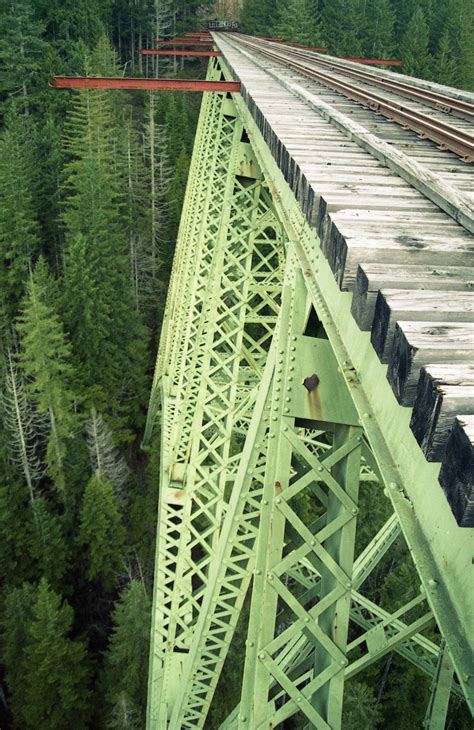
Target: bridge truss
<point x="275" y="417"/>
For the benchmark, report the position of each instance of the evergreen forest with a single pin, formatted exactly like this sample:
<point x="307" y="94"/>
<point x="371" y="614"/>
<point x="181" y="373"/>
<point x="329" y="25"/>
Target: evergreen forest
<point x="91" y="189"/>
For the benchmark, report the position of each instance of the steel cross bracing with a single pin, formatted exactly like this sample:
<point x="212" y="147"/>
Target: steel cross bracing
<point x="227" y="282"/>
<point x="245" y="447"/>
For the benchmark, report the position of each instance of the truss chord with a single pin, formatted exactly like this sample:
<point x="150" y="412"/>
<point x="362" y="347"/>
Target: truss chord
<point x="241" y="445"/>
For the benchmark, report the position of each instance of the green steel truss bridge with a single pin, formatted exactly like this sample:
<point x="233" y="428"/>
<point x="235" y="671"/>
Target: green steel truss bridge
<point x="316" y="345"/>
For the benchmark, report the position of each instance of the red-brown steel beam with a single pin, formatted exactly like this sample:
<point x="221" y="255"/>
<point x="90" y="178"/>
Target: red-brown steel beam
<point x="92" y="82"/>
<point x="205" y="44"/>
<point x="171" y="52"/>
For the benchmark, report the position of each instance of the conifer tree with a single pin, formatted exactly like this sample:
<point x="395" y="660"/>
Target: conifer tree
<point x="14" y="622"/>
<point x="21" y="50"/>
<point x="378" y="28"/>
<point x="17" y="529"/>
<point x="19" y="230"/>
<point x="104" y="455"/>
<point x="444" y="63"/>
<point x="464" y="45"/>
<point x="56" y="674"/>
<point x="129" y="644"/>
<point x="45" y="358"/>
<point x="107" y="334"/>
<point x="414" y="46"/>
<point x="24" y="427"/>
<point x="48" y="546"/>
<point x="101" y="532"/>
<point x="342" y="26"/>
<point x="297" y="21"/>
<point x="257" y="16"/>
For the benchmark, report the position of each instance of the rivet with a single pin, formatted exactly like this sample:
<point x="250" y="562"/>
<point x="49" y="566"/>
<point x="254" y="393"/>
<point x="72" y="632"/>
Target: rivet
<point x="287" y="398"/>
<point x="287" y="410"/>
<point x="354" y="510"/>
<point x="343" y="662"/>
<point x="348" y="584"/>
<point x="313" y="543"/>
<point x="320" y="468"/>
<point x="359" y="439"/>
<point x="292" y="358"/>
<point x="294" y="338"/>
<point x="432" y="583"/>
<point x="278" y="500"/>
<point x="265" y="501"/>
<point x="270" y="576"/>
<point x="274" y="418"/>
<point x="366" y="415"/>
<point x="298" y="699"/>
<point x="279" y="370"/>
<point x="285" y="428"/>
<point x="258" y="572"/>
<point x="250" y="643"/>
<point x="290" y="377"/>
<point x="261" y="655"/>
<point x="306" y="620"/>
<point x="272" y="435"/>
<point x="291" y="368"/>
<point x="293" y="349"/>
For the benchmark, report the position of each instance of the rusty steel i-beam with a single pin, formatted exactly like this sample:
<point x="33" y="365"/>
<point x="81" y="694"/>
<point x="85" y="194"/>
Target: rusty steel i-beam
<point x="84" y="82"/>
<point x="171" y="52"/>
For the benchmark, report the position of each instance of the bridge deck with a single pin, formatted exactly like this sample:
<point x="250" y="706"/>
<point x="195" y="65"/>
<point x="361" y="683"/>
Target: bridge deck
<point x="406" y="253"/>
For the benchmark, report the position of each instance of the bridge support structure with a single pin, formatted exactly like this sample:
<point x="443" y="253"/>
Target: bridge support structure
<point x="272" y="409"/>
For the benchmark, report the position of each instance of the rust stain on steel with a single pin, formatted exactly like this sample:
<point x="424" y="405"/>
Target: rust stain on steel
<point x="278" y="487"/>
<point x="314" y="403"/>
<point x="85" y="82"/>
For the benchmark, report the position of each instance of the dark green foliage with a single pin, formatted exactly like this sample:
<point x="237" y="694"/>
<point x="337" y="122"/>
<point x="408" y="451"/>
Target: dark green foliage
<point x="55" y="670"/>
<point x="125" y="691"/>
<point x="414" y="46"/>
<point x="17" y="613"/>
<point x="101" y="533"/>
<point x="19" y="230"/>
<point x="45" y="360"/>
<point x="93" y="182"/>
<point x="22" y="46"/>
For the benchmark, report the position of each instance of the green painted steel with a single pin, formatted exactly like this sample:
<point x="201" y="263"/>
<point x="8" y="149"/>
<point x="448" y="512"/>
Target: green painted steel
<point x="253" y="311"/>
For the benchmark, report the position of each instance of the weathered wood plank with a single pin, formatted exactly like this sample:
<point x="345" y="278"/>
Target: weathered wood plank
<point x="371" y="277"/>
<point x="420" y="343"/>
<point x="457" y="471"/>
<point x="444" y="391"/>
<point x="344" y="251"/>
<point x="425" y="306"/>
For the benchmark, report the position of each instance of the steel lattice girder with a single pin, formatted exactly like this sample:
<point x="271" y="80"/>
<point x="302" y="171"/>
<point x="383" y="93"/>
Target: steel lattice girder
<point x="223" y="577"/>
<point x="230" y="273"/>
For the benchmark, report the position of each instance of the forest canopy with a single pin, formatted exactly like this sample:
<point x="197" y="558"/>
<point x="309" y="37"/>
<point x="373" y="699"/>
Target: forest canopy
<point x="91" y="190"/>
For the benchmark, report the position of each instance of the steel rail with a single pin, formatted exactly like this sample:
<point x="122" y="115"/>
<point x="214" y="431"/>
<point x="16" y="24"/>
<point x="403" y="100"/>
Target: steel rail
<point x="440" y="102"/>
<point x="443" y="134"/>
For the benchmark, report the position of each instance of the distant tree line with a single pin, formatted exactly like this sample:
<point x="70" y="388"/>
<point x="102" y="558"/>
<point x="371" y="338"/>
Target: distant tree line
<point x="91" y="187"/>
<point x="432" y="37"/>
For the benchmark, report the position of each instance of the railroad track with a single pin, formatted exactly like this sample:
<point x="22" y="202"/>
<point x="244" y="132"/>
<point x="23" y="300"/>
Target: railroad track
<point x="408" y="265"/>
<point x="444" y="134"/>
